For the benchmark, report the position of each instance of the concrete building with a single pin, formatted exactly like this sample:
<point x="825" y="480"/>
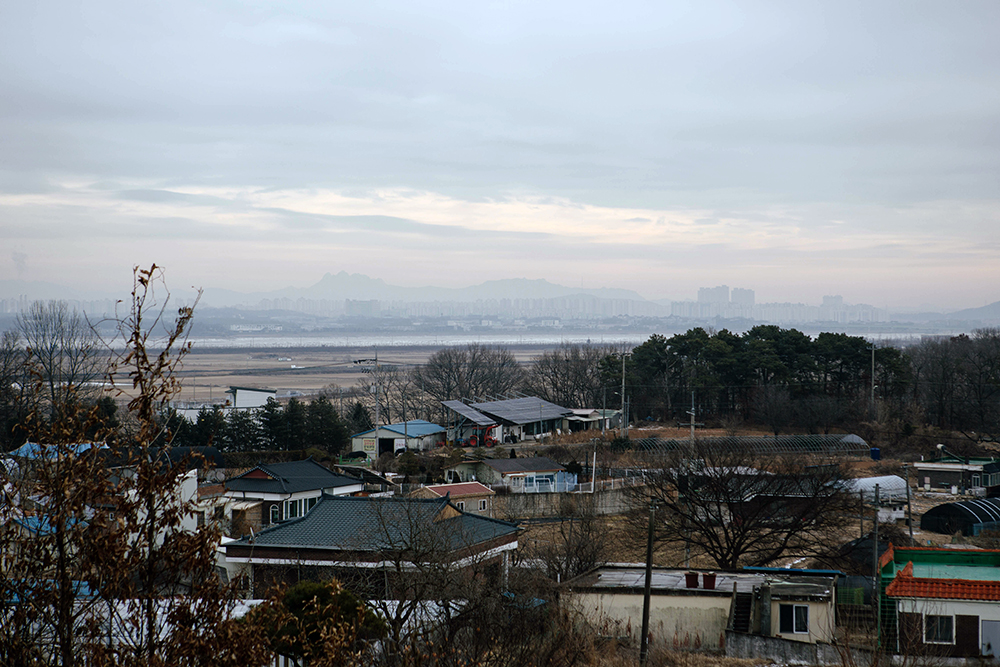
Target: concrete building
<point x="694" y="609"/>
<point x="941" y="602"/>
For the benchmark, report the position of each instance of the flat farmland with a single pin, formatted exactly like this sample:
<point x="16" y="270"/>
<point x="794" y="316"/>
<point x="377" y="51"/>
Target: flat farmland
<point x="208" y="372"/>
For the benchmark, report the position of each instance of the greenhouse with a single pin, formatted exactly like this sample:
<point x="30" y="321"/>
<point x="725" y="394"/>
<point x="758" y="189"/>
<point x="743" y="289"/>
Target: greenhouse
<point x="891" y="488"/>
<point x="970" y="517"/>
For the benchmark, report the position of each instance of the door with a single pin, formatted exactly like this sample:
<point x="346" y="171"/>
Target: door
<point x="991" y="638"/>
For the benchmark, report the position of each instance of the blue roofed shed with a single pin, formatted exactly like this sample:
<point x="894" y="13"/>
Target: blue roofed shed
<point x="416" y="434"/>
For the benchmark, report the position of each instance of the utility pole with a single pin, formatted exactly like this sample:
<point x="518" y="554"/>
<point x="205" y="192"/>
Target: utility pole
<point x="909" y="506"/>
<point x="693" y="409"/>
<point x="372" y="367"/>
<point x="624" y="429"/>
<point x="873" y="379"/>
<point x="644" y="643"/>
<point x="876" y="579"/>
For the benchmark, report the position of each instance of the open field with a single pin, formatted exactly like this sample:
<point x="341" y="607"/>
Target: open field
<point x="208" y="372"/>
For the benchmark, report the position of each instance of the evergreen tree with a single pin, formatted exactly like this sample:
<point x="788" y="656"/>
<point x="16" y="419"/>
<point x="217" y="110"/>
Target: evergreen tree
<point x="295" y="425"/>
<point x="272" y="425"/>
<point x="324" y="428"/>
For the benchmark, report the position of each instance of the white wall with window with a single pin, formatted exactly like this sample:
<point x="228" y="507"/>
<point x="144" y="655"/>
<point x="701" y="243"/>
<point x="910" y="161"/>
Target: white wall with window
<point x="808" y="621"/>
<point x="939" y="625"/>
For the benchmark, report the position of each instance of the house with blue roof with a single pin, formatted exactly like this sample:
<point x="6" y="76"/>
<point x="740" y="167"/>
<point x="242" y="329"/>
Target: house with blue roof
<point x="414" y="435"/>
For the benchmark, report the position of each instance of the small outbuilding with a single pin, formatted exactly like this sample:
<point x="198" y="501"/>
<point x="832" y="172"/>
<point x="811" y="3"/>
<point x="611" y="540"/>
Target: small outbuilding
<point x="415" y="435"/>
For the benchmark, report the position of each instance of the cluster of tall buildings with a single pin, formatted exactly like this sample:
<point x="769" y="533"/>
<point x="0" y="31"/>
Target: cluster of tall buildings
<point x="737" y="303"/>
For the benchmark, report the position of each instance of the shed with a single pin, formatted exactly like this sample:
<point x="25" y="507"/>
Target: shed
<point x="971" y="517"/>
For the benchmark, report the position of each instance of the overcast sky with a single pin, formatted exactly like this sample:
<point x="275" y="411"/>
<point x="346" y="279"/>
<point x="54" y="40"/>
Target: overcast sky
<point x="795" y="148"/>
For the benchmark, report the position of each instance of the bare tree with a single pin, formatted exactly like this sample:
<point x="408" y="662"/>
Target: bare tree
<point x="64" y="352"/>
<point x="573" y="546"/>
<point x="738" y="508"/>
<point x="104" y="562"/>
<point x="475" y="371"/>
<point x="15" y="384"/>
<point x="569" y="375"/>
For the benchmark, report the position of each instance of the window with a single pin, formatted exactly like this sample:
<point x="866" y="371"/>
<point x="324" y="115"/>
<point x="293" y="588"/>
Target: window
<point x="275" y="514"/>
<point x="311" y="503"/>
<point x="293" y="509"/>
<point x="939" y="629"/>
<point x="460" y="505"/>
<point x="793" y="619"/>
<point x="482" y="505"/>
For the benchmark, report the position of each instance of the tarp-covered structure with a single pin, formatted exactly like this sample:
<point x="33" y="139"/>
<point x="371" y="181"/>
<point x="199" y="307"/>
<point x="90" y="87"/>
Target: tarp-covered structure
<point x="891" y="488"/>
<point x="969" y="517"/>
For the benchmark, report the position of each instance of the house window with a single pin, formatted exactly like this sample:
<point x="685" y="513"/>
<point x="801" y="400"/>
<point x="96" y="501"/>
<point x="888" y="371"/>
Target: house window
<point x="275" y="514"/>
<point x="939" y="629"/>
<point x="793" y="619"/>
<point x="482" y="505"/>
<point x="460" y="505"/>
<point x="975" y="480"/>
<point x="311" y="503"/>
<point x="294" y="508"/>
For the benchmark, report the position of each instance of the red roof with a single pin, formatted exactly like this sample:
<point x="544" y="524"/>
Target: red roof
<point x="461" y="489"/>
<point x="906" y="585"/>
<point x="886" y="557"/>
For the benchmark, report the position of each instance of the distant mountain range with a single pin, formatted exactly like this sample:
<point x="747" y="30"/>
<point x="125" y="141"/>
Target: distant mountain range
<point x="357" y="286"/>
<point x="360" y="287"/>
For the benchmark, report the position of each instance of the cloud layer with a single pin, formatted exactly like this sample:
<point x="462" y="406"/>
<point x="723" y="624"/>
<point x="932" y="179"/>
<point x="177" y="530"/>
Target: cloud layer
<point x="796" y="148"/>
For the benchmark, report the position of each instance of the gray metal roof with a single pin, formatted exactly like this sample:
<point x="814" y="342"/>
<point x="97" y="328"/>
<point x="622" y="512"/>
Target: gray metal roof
<point x="769" y="444"/>
<point x="290" y="477"/>
<point x="345" y="523"/>
<point x="473" y="415"/>
<point x="522" y="410"/>
<point x="415" y="428"/>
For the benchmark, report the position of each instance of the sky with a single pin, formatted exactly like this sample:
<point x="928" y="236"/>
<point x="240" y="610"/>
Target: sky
<point x="795" y="148"/>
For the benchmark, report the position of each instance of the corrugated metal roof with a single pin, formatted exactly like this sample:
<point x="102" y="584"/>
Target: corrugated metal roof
<point x="523" y="410"/>
<point x="473" y="415"/>
<point x="415" y="428"/>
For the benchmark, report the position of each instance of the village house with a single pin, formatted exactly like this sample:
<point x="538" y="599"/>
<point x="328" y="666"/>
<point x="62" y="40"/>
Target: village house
<point x="510" y="420"/>
<point x="267" y="494"/>
<point x="414" y="435"/>
<point x="695" y="609"/>
<point x="941" y="602"/>
<point x="533" y="474"/>
<point x="363" y="540"/>
<point x="947" y="472"/>
<point x="471" y="497"/>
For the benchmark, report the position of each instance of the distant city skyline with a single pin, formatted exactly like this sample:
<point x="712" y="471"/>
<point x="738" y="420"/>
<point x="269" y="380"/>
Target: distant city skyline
<point x="799" y="148"/>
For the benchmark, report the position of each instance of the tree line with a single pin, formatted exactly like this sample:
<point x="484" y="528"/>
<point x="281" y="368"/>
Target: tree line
<point x="779" y="378"/>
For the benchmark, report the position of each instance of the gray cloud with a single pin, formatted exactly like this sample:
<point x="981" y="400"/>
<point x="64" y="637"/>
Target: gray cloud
<point x="879" y="116"/>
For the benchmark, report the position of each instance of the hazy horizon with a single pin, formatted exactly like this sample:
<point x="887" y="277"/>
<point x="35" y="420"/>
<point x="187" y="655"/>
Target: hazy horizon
<point x="795" y="148"/>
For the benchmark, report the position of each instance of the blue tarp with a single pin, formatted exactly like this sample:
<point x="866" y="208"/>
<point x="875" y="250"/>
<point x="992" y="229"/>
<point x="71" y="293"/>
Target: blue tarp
<point x="33" y="450"/>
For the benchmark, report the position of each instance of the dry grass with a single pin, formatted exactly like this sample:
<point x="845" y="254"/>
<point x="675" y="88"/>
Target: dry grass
<point x="612" y="655"/>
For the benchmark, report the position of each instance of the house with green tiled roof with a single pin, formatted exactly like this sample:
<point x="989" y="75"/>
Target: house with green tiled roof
<point x="270" y="493"/>
<point x="354" y="537"/>
<point x="941" y="602"/>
